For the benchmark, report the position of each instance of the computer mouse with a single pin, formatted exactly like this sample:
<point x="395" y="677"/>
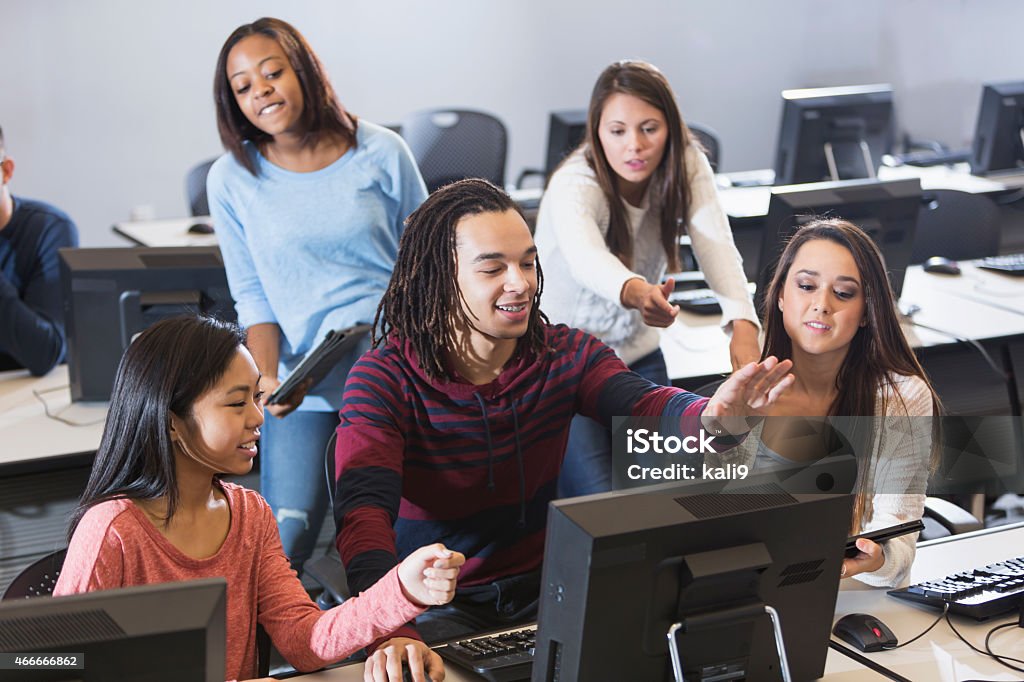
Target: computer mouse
<point x="200" y="228"/>
<point x="865" y="632"/>
<point x="941" y="265"/>
<point x="407" y="674"/>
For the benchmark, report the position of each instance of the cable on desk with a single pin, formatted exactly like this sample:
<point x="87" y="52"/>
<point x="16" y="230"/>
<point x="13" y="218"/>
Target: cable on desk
<point x="57" y="416"/>
<point x="867" y="662"/>
<point x="998" y="658"/>
<point x="1000" y="372"/>
<point x="945" y="608"/>
<point x="988" y="638"/>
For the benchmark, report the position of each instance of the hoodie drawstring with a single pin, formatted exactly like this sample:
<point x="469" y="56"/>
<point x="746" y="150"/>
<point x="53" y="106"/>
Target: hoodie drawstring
<point x="490" y="448"/>
<point x="522" y="473"/>
<point x="519" y="456"/>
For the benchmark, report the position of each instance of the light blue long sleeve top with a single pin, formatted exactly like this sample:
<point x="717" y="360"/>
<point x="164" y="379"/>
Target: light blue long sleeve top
<point x="314" y="251"/>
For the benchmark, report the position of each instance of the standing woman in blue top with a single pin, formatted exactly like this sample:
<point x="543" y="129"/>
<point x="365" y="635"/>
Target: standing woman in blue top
<point x="308" y="205"/>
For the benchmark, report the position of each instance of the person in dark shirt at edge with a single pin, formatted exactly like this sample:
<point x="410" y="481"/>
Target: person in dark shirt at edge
<point x="31" y="308"/>
<point x="454" y="426"/>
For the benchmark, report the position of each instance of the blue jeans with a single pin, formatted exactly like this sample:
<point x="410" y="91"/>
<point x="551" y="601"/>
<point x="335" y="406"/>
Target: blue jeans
<point x="587" y="467"/>
<point x="292" y="478"/>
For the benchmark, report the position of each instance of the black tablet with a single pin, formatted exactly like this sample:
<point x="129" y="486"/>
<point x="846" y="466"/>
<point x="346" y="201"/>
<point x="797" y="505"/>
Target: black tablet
<point x="883" y="534"/>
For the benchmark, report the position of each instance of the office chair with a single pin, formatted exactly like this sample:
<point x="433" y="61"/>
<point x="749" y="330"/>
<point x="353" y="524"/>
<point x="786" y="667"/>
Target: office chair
<point x="195" y="187"/>
<point x="327" y="569"/>
<point x="452" y="144"/>
<point x="39" y="578"/>
<point x="956" y="225"/>
<point x="708" y="139"/>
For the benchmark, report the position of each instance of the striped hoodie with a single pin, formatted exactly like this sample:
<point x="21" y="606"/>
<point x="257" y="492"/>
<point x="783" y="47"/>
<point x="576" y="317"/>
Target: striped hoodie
<point x="421" y="460"/>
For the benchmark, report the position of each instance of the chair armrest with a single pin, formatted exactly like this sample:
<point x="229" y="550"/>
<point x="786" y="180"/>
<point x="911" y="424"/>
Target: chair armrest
<point x="951" y="516"/>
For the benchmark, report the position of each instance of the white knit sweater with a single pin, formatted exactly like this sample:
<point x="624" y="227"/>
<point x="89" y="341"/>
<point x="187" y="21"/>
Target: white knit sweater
<point x="898" y="473"/>
<point x="583" y="280"/>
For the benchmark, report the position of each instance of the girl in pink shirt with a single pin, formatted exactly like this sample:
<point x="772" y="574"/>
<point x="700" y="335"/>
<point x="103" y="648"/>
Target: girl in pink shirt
<point x="186" y="409"/>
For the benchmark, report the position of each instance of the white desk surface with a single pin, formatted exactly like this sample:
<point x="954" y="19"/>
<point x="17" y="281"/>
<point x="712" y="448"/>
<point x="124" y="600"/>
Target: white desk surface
<point x="751" y="202"/>
<point x="26" y="433"/>
<point x="170" y="232"/>
<point x="977" y="304"/>
<point x="937" y="657"/>
<point x="174" y="231"/>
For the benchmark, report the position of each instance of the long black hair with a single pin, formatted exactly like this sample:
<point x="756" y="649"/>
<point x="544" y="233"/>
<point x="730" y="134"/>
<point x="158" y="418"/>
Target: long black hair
<point x="423" y="296"/>
<point x="163" y="372"/>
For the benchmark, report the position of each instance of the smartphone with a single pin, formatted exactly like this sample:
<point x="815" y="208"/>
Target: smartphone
<point x="883" y="534"/>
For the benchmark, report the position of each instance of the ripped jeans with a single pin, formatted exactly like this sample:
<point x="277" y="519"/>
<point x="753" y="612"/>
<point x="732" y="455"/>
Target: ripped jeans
<point x="292" y="478"/>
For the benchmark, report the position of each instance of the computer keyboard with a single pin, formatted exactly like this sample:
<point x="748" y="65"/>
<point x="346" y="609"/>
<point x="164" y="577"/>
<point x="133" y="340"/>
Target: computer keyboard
<point x="700" y="301"/>
<point x="931" y="158"/>
<point x="499" y="658"/>
<point x="1012" y="264"/>
<point x="979" y="593"/>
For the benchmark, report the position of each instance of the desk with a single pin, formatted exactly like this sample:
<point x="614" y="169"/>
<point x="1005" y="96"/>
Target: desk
<point x="938" y="656"/>
<point x="752" y="202"/>
<point x="44" y="464"/>
<point x="172" y="232"/>
<point x="31" y="441"/>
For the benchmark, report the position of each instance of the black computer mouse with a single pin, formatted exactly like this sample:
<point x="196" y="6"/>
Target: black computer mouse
<point x="407" y="674"/>
<point x="865" y="632"/>
<point x="941" y="265"/>
<point x="200" y="228"/>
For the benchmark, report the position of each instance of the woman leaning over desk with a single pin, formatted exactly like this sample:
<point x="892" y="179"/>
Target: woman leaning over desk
<point x="610" y="223"/>
<point x="308" y="205"/>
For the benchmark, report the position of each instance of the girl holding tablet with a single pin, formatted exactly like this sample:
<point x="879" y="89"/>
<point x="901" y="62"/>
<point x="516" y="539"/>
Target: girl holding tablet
<point x="308" y="205"/>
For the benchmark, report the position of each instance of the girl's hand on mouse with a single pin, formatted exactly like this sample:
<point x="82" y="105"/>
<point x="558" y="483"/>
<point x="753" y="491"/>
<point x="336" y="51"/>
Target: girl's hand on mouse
<point x="870" y="557"/>
<point x="385" y="664"/>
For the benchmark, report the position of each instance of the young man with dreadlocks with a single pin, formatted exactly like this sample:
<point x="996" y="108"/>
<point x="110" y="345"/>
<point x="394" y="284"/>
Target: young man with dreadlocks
<point x="453" y="428"/>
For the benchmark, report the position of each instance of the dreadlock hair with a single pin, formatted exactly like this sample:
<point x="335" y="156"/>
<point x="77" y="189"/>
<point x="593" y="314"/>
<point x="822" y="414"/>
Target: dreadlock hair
<point x="423" y="298"/>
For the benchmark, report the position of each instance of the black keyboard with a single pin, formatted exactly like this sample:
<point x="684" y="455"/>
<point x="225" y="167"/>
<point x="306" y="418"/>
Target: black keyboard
<point x="932" y="158"/>
<point x="700" y="301"/>
<point x="499" y="658"/>
<point x="980" y="593"/>
<point x="1012" y="264"/>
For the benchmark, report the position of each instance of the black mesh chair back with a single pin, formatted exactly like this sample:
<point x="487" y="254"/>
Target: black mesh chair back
<point x="37" y="579"/>
<point x="708" y="139"/>
<point x="452" y="144"/>
<point x="956" y="225"/>
<point x="195" y="188"/>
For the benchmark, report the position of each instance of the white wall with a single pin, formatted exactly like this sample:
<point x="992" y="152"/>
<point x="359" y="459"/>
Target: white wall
<point x="106" y="103"/>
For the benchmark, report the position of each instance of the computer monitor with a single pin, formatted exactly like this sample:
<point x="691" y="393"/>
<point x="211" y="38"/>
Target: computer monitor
<point x="110" y="295"/>
<point x="886" y="210"/>
<point x="630" y="565"/>
<point x="999" y="136"/>
<point x="168" y="632"/>
<point x="566" y="130"/>
<point x="833" y="133"/>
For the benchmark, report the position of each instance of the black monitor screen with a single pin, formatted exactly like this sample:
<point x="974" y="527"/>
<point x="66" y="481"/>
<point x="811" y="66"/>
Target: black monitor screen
<point x="110" y="295"/>
<point x="566" y="130"/>
<point x="833" y="133"/>
<point x="630" y="565"/>
<point x="999" y="137"/>
<point x="887" y="211"/>
<point x="158" y="633"/>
